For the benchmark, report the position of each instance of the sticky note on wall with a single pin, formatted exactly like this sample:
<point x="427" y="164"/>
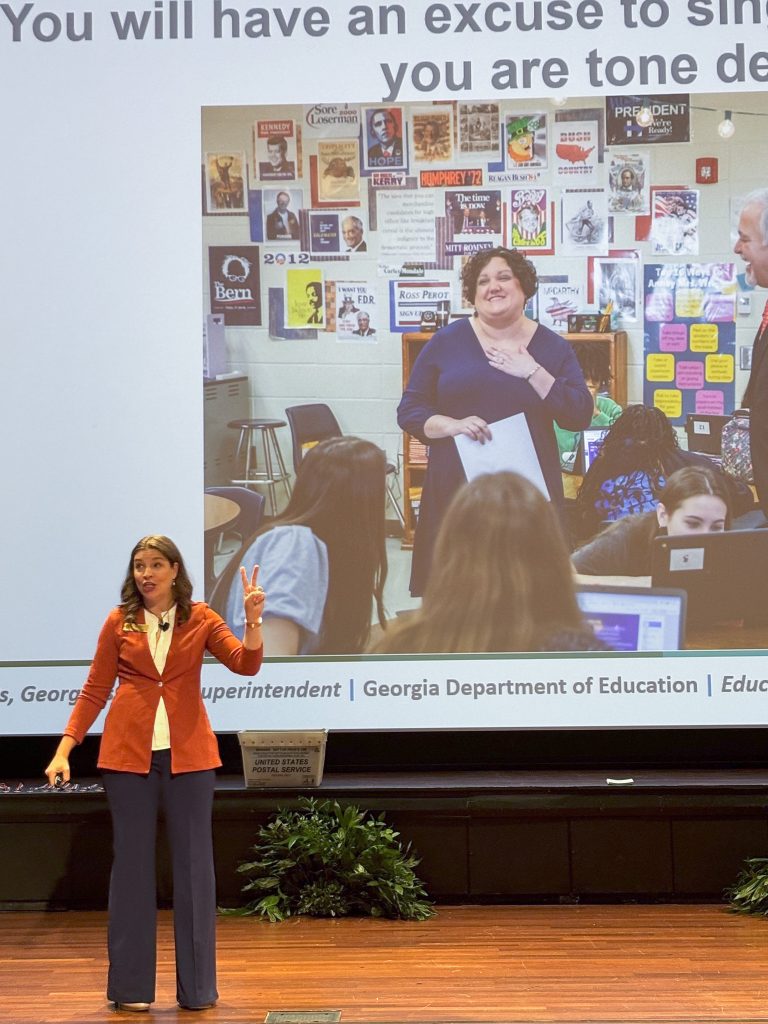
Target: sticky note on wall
<point x="673" y="337"/>
<point x="660" y="367"/>
<point x="710" y="403"/>
<point x="670" y="402"/>
<point x="704" y="337"/>
<point x="689" y="302"/>
<point x="689" y="374"/>
<point x="719" y="369"/>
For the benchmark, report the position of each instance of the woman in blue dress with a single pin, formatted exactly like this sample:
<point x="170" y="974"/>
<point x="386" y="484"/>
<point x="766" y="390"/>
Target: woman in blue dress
<point x="485" y="368"/>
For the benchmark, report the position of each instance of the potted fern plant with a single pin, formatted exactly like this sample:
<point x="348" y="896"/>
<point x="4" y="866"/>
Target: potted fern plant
<point x="327" y="860"/>
<point x="749" y="894"/>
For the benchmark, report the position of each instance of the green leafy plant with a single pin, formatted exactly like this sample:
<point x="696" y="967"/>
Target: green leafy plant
<point x="328" y="861"/>
<point x="749" y="894"/>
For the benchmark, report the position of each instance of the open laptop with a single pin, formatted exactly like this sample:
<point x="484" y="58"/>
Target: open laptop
<point x="592" y="441"/>
<point x="724" y="574"/>
<point x="635" y="618"/>
<point x="705" y="433"/>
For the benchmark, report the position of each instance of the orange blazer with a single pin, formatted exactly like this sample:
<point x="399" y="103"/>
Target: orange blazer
<point x="123" y="654"/>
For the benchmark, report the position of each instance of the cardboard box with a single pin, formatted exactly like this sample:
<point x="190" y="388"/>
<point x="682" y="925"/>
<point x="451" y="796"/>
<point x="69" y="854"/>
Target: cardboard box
<point x="279" y="758"/>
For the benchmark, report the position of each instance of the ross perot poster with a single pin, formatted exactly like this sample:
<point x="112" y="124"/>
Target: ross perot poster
<point x="665" y="118"/>
<point x="235" y="284"/>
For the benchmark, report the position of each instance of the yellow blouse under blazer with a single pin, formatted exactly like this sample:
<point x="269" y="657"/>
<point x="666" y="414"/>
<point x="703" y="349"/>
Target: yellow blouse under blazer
<point x="123" y="653"/>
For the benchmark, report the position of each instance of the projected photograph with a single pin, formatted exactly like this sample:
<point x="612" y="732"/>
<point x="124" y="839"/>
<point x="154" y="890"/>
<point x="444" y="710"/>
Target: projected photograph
<point x="450" y="527"/>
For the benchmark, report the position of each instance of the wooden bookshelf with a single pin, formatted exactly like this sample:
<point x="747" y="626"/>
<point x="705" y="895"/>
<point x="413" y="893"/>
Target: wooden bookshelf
<point x="414" y="452"/>
<point x="617" y="346"/>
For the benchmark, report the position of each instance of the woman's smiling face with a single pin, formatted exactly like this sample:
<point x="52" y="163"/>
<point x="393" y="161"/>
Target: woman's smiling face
<point x="499" y="297"/>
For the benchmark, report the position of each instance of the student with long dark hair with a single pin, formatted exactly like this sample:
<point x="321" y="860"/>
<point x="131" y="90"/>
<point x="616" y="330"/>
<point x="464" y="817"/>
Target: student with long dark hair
<point x="693" y="500"/>
<point x="639" y="453"/>
<point x="323" y="560"/>
<point x="501" y="578"/>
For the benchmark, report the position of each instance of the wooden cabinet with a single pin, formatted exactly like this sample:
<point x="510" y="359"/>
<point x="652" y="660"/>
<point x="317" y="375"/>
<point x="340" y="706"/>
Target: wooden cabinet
<point x="414" y="453"/>
<point x="617" y="352"/>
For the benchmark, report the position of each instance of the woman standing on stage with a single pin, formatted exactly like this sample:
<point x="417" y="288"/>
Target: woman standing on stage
<point x="158" y="750"/>
<point x="485" y="368"/>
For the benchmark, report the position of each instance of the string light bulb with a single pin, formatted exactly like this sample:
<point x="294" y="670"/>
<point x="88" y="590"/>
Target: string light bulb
<point x="558" y="101"/>
<point x="644" y="116"/>
<point x="726" y="129"/>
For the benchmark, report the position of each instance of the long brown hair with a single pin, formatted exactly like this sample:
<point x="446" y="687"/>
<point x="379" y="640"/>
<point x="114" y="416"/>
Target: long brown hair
<point x="340" y="494"/>
<point x="130" y="598"/>
<point x="501" y="576"/>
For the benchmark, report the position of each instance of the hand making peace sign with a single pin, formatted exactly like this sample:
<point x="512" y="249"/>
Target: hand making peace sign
<point x="253" y="597"/>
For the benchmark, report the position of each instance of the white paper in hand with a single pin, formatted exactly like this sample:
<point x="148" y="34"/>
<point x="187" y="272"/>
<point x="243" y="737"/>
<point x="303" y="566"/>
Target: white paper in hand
<point x="510" y="449"/>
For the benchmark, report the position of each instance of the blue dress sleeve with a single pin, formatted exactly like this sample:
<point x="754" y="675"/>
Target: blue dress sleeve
<point x="569" y="401"/>
<point x="293" y="570"/>
<point x="419" y="400"/>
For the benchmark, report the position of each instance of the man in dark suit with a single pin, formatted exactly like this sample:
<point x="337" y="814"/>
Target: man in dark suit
<point x="352" y="229"/>
<point x="387" y="151"/>
<point x="277" y="164"/>
<point x="752" y="246"/>
<point x="364" y="329"/>
<point x="281" y="222"/>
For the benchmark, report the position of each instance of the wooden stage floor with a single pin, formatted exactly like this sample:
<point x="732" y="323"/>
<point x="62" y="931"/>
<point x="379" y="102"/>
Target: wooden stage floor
<point x="626" y="964"/>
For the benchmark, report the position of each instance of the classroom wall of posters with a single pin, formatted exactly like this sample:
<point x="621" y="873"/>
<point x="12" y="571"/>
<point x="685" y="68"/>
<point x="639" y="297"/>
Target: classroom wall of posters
<point x="690" y="338"/>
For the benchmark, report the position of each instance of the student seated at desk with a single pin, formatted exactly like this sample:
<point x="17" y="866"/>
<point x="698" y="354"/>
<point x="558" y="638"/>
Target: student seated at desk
<point x="325" y="555"/>
<point x="639" y="452"/>
<point x="694" y="500"/>
<point x="593" y="359"/>
<point x="500" y="580"/>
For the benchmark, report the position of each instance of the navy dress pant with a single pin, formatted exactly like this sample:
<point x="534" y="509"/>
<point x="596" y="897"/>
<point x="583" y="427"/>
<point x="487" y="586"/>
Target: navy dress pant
<point x="187" y="802"/>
